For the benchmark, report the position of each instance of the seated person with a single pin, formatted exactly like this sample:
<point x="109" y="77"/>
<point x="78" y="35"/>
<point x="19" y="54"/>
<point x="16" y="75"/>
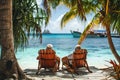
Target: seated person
<point x="70" y="57"/>
<point x="71" y="61"/>
<point x="48" y="48"/>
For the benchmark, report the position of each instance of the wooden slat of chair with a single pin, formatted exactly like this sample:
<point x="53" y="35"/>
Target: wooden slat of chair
<point x="80" y="59"/>
<point x="47" y="60"/>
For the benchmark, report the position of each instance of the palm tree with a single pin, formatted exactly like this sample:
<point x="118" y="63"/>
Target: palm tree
<point x="48" y="4"/>
<point x="78" y="8"/>
<point x="22" y="21"/>
<point x="27" y="18"/>
<point x="8" y="62"/>
<point x="108" y="15"/>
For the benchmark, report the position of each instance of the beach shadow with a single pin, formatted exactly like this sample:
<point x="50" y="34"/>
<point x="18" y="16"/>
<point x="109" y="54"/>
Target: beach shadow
<point x="61" y="73"/>
<point x="43" y="73"/>
<point x="80" y="72"/>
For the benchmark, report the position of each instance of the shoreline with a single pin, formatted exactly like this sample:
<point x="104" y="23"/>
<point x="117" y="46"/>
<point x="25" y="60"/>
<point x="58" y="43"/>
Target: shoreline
<point x="98" y="65"/>
<point x="33" y="63"/>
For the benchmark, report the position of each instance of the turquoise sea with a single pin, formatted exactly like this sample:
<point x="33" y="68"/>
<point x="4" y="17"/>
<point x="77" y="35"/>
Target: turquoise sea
<point x="98" y="49"/>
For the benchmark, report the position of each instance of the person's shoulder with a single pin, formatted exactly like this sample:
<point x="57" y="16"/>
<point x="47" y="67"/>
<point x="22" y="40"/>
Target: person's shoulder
<point x="41" y="51"/>
<point x="50" y="50"/>
<point x="81" y="51"/>
<point x="53" y="51"/>
<point x="84" y="50"/>
<point x="70" y="56"/>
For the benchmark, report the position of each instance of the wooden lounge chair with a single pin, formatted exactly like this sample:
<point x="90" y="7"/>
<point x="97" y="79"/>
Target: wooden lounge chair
<point x="47" y="60"/>
<point x="78" y="60"/>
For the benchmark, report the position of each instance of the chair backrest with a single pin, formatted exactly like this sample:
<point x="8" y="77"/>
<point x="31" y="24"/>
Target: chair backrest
<point x="79" y="58"/>
<point x="47" y="58"/>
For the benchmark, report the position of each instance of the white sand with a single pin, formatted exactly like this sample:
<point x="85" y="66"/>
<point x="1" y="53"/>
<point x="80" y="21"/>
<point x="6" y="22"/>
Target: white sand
<point x="97" y="74"/>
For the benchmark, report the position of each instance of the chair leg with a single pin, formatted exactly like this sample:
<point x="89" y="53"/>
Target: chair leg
<point x="87" y="67"/>
<point x="62" y="65"/>
<point x="58" y="62"/>
<point x="39" y="67"/>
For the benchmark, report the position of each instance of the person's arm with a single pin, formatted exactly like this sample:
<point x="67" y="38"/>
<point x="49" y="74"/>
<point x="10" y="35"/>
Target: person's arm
<point x="70" y="56"/>
<point x="38" y="57"/>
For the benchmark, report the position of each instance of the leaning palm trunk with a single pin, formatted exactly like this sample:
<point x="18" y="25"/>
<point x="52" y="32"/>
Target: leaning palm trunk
<point x="112" y="45"/>
<point x="9" y="67"/>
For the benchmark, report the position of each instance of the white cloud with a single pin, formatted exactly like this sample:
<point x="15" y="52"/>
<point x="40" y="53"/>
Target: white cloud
<point x="54" y="25"/>
<point x="75" y="24"/>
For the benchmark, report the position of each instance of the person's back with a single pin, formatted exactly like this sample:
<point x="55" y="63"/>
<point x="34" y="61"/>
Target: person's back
<point x="50" y="48"/>
<point x="67" y="60"/>
<point x="76" y="59"/>
<point x="47" y="58"/>
<point x="80" y="53"/>
<point x="70" y="57"/>
<point x="79" y="59"/>
<point x="48" y="51"/>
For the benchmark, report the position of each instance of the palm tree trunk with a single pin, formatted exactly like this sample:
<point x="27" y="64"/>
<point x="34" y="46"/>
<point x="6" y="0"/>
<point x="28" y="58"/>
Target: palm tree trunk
<point x="9" y="67"/>
<point x="112" y="45"/>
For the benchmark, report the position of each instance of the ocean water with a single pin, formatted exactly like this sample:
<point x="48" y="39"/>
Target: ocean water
<point x="98" y="49"/>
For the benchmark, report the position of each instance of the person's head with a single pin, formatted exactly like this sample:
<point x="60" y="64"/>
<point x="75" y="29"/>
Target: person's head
<point x="77" y="47"/>
<point x="49" y="46"/>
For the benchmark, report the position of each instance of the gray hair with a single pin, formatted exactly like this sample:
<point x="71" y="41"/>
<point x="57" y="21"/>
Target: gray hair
<point x="49" y="45"/>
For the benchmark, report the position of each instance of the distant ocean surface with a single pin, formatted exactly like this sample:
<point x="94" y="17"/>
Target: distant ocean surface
<point x="98" y="49"/>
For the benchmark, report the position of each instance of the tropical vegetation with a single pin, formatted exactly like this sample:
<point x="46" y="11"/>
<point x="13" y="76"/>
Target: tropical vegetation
<point x="28" y="17"/>
<point x="18" y="18"/>
<point x="106" y="13"/>
<point x="108" y="16"/>
<point x="116" y="70"/>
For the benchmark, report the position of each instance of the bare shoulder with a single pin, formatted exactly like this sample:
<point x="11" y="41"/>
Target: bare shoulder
<point x="41" y="51"/>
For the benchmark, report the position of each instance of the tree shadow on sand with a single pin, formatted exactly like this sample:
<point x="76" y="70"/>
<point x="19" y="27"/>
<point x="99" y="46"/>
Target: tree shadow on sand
<point x="60" y="74"/>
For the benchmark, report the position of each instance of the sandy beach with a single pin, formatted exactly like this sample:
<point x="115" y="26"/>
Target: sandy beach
<point x="98" y="56"/>
<point x="100" y="72"/>
<point x="83" y="74"/>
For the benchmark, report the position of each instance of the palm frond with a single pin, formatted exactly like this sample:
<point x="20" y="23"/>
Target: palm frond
<point x="68" y="16"/>
<point x="48" y="10"/>
<point x="116" y="23"/>
<point x="69" y="3"/>
<point x="106" y="20"/>
<point x="95" y="21"/>
<point x="91" y="5"/>
<point x="54" y="3"/>
<point x="107" y="7"/>
<point x="84" y="34"/>
<point x="80" y="9"/>
<point x="26" y="15"/>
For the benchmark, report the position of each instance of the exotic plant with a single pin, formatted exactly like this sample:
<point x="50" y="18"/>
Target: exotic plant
<point x="116" y="69"/>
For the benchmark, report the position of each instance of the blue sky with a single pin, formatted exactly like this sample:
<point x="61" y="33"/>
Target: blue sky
<point x="57" y="14"/>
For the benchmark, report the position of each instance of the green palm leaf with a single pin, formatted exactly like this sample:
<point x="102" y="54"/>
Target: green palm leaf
<point x="95" y="21"/>
<point x="68" y="16"/>
<point x="84" y="34"/>
<point x="26" y="17"/>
